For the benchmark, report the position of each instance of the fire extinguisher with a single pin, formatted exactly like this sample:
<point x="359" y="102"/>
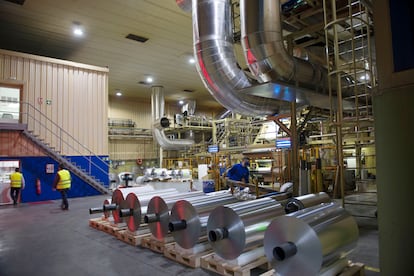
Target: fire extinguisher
<point x="38" y="187"/>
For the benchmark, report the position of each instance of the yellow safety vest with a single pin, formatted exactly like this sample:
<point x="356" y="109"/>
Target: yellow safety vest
<point x="16" y="180"/>
<point x="64" y="180"/>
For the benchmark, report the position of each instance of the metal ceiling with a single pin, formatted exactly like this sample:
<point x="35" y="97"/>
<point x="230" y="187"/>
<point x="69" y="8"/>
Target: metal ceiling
<point x="44" y="27"/>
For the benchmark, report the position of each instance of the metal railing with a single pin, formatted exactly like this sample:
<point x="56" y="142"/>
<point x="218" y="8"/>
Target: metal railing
<point x="56" y="138"/>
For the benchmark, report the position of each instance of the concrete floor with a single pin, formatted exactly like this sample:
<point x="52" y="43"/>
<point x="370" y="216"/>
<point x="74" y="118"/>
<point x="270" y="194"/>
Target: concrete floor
<point x="40" y="239"/>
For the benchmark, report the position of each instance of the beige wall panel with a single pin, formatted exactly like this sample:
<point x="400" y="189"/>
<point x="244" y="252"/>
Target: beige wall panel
<point x="137" y="111"/>
<point x="78" y="96"/>
<point x="132" y="149"/>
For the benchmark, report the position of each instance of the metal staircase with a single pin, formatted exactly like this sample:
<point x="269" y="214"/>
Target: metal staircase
<point x="51" y="138"/>
<point x="71" y="166"/>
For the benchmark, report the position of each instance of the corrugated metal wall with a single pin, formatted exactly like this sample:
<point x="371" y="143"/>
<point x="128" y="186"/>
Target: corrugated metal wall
<point x="72" y="96"/>
<point x="132" y="148"/>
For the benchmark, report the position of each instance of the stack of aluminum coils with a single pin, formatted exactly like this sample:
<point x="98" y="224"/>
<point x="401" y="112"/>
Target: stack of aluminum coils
<point x="234" y="227"/>
<point x="311" y="240"/>
<point x="158" y="212"/>
<point x="188" y="221"/>
<point x="136" y="206"/>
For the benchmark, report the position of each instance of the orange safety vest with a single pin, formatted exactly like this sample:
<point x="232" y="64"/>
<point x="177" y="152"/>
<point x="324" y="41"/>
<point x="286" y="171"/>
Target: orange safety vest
<point x="64" y="180"/>
<point x="16" y="180"/>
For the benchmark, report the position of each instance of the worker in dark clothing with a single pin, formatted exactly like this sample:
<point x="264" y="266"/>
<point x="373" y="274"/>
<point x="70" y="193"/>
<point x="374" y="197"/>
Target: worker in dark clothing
<point x="16" y="185"/>
<point x="239" y="172"/>
<point x="62" y="183"/>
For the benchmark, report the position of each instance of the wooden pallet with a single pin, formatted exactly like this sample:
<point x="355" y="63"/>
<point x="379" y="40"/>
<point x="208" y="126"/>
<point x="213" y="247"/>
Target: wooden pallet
<point x="97" y="223"/>
<point x="156" y="245"/>
<point x="185" y="257"/>
<point x="216" y="264"/>
<point x="132" y="238"/>
<point x="106" y="226"/>
<point x="353" y="269"/>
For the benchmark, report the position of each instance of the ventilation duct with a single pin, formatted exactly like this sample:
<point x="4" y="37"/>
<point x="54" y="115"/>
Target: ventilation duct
<point x="157" y="111"/>
<point x="230" y="85"/>
<point x="216" y="61"/>
<point x="268" y="60"/>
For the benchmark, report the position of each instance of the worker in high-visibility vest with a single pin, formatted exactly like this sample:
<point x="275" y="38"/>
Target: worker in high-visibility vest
<point x="62" y="183"/>
<point x="16" y="185"/>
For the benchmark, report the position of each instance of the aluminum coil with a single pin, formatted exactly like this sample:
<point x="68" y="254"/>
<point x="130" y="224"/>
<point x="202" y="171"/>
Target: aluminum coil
<point x="119" y="196"/>
<point x="158" y="215"/>
<point x="304" y="242"/>
<point x="298" y="203"/>
<point x="137" y="207"/>
<point x="188" y="221"/>
<point x="234" y="227"/>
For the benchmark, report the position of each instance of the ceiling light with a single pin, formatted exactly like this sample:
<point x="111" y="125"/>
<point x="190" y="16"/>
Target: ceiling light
<point x="149" y="80"/>
<point x="181" y="102"/>
<point x="191" y="60"/>
<point x="118" y="92"/>
<point x="77" y="29"/>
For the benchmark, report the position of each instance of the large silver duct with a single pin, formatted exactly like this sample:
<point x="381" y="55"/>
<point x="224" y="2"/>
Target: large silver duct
<point x="264" y="48"/>
<point x="157" y="110"/>
<point x="267" y="59"/>
<point x="216" y="61"/>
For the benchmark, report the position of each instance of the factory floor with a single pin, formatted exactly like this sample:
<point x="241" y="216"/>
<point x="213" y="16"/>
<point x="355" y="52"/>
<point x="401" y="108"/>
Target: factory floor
<point x="39" y="239"/>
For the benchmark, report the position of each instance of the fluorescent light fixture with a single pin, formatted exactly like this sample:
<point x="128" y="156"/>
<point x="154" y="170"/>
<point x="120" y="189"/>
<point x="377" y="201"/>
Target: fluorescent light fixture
<point x="77" y="29"/>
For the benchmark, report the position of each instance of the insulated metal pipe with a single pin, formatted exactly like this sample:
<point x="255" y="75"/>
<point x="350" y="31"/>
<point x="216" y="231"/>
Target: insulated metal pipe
<point x="231" y="230"/>
<point x="158" y="216"/>
<point x="301" y="202"/>
<point x="188" y="221"/>
<point x="137" y="207"/>
<point x="304" y="242"/>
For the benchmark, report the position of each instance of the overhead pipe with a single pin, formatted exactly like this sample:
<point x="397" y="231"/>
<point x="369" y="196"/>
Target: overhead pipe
<point x="268" y="60"/>
<point x="264" y="49"/>
<point x="231" y="86"/>
<point x="157" y="111"/>
<point x="217" y="64"/>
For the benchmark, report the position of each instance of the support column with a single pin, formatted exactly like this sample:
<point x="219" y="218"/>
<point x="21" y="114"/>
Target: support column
<point x="394" y="121"/>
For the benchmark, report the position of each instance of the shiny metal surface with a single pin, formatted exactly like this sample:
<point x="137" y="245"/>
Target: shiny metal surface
<point x="157" y="109"/>
<point x="138" y="206"/>
<point x="134" y="220"/>
<point x="188" y="221"/>
<point x="119" y="196"/>
<point x="230" y="231"/>
<point x="301" y="202"/>
<point x="158" y="215"/>
<point x="268" y="60"/>
<point x="321" y="234"/>
<point x="216" y="61"/>
<point x="107" y="214"/>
